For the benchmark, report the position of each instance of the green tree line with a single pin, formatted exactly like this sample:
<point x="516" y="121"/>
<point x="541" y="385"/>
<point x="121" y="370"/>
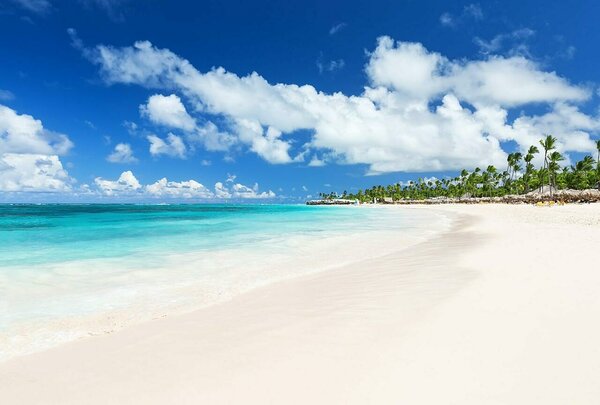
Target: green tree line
<point x="520" y="176"/>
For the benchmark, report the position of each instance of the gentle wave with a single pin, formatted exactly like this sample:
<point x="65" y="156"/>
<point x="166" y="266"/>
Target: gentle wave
<point x="72" y="271"/>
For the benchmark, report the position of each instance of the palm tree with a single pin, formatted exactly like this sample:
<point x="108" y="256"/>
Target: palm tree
<point x="553" y="167"/>
<point x="598" y="164"/>
<point x="548" y="143"/>
<point x="528" y="165"/>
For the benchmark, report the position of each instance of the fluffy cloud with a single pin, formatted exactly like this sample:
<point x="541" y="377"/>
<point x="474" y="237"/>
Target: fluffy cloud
<point x="420" y="112"/>
<point x="32" y="172"/>
<point x="128" y="185"/>
<point x="21" y="133"/>
<point x="221" y="191"/>
<point x="168" y="111"/>
<point x="122" y="154"/>
<point x="29" y="155"/>
<point x="241" y="191"/>
<point x="412" y="70"/>
<point x="184" y="189"/>
<point x="173" y="146"/>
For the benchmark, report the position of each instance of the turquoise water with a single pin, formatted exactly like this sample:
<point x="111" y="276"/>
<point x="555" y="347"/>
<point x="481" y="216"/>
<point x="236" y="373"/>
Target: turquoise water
<point x="37" y="234"/>
<point x="67" y="271"/>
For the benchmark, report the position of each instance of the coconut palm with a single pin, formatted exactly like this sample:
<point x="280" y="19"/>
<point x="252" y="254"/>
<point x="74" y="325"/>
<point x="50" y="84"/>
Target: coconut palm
<point x="533" y="150"/>
<point x="553" y="166"/>
<point x="598" y="164"/>
<point x="549" y="144"/>
<point x="490" y="182"/>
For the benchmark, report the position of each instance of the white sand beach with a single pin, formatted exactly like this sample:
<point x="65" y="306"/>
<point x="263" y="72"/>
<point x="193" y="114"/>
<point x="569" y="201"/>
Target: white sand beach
<point x="501" y="309"/>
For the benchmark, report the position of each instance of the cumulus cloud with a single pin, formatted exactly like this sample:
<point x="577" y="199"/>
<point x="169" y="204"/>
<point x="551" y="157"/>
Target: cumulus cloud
<point x="173" y="146"/>
<point x="122" y="154"/>
<point x="21" y="133"/>
<point x="168" y="111"/>
<point x="29" y="155"/>
<point x="128" y="185"/>
<point x="184" y="189"/>
<point x="420" y="111"/>
<point x="410" y="69"/>
<point x="221" y="191"/>
<point x="241" y="191"/>
<point x="25" y="172"/>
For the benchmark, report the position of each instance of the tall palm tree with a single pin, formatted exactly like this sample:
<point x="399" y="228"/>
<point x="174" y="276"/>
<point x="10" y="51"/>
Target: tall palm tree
<point x="598" y="164"/>
<point x="549" y="144"/>
<point x="533" y="150"/>
<point x="553" y="167"/>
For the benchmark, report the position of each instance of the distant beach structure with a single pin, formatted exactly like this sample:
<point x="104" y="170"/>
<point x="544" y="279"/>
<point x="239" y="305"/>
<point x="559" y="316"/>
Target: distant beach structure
<point x="334" y="201"/>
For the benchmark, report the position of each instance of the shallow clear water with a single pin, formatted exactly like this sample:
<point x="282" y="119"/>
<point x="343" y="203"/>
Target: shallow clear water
<point x="37" y="234"/>
<point x="63" y="264"/>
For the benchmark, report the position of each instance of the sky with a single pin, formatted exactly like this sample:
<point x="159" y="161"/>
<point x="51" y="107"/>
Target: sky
<point x="276" y="101"/>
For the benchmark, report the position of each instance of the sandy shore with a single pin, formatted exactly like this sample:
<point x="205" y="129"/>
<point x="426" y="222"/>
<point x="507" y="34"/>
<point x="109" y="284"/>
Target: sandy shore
<point x="503" y="309"/>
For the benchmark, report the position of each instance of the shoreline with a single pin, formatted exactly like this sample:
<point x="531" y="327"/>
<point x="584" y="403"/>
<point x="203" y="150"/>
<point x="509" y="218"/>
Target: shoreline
<point x="474" y="315"/>
<point x="192" y="280"/>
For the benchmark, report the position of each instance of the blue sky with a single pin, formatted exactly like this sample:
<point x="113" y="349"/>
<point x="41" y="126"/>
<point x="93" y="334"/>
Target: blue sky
<point x="449" y="85"/>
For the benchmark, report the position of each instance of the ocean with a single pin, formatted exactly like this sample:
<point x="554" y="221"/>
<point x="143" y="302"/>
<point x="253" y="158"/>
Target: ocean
<point x="70" y="271"/>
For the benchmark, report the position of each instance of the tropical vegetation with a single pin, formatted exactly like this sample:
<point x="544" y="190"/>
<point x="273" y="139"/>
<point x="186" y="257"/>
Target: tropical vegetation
<point x="519" y="177"/>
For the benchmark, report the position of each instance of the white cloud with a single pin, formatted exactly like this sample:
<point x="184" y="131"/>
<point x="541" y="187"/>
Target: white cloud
<point x="29" y="155"/>
<point x="173" y="146"/>
<point x="122" y="154"/>
<point x="221" y="191"/>
<point x="168" y="111"/>
<point x="184" y="189"/>
<point x="265" y="143"/>
<point x="127" y="183"/>
<point x="413" y="71"/>
<point x="24" y="172"/>
<point x="420" y="112"/>
<point x="242" y="191"/>
<point x="316" y="162"/>
<point x="21" y="133"/>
